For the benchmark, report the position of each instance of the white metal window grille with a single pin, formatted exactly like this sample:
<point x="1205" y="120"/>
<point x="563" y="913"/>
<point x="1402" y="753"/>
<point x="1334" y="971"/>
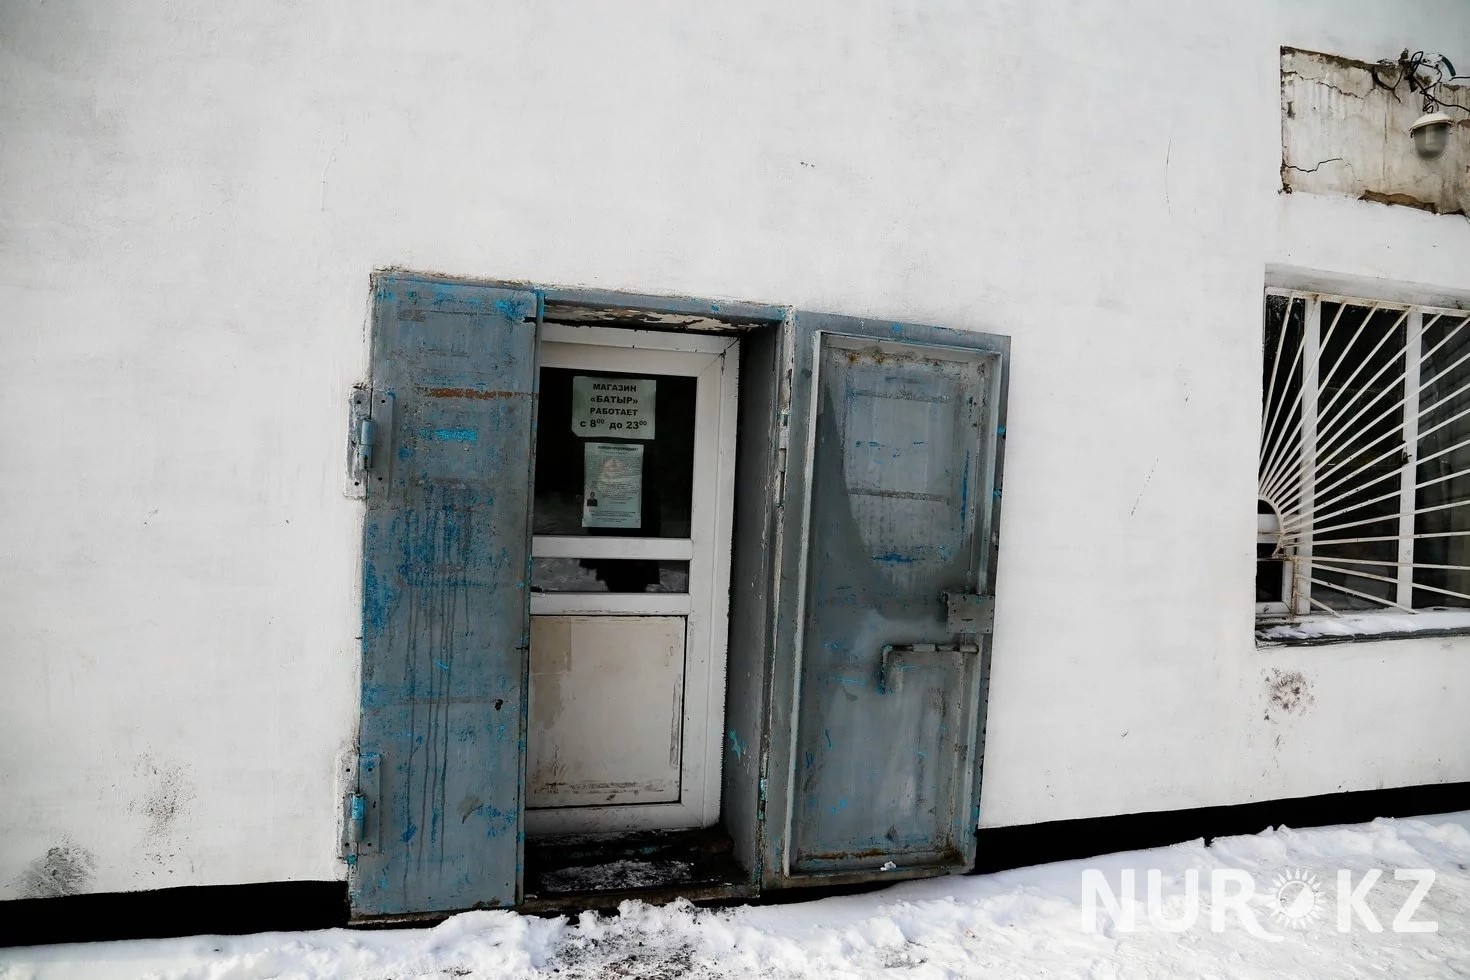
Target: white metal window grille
<point x="1365" y="458"/>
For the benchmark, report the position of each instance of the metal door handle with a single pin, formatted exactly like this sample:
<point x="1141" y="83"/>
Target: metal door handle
<point x="889" y="670"/>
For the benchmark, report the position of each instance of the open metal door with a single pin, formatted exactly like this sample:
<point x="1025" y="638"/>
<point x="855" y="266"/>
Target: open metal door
<point x="887" y="584"/>
<point x="435" y="823"/>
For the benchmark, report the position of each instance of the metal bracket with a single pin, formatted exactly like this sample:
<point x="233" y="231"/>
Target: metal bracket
<point x="360" y="823"/>
<point x="970" y="613"/>
<point x="369" y="438"/>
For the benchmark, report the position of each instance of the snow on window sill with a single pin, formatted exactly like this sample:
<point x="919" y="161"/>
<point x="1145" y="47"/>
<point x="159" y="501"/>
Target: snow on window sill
<point x="1364" y="626"/>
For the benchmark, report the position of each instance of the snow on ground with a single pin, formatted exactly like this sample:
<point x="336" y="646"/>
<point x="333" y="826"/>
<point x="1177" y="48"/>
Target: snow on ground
<point x="1023" y="923"/>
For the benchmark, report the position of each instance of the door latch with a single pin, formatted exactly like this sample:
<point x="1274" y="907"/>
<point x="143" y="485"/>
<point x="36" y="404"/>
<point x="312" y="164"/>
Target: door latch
<point x="369" y="430"/>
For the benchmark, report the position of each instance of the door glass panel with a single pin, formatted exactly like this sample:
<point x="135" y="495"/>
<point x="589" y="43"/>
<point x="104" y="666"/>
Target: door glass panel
<point x="608" y="575"/>
<point x="614" y="454"/>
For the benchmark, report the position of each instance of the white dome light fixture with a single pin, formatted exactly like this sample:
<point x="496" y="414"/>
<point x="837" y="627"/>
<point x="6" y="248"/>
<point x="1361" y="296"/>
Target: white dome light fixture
<point x="1431" y="134"/>
<point x="1432" y="77"/>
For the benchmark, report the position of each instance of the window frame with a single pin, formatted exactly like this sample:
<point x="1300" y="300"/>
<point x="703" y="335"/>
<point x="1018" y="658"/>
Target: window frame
<point x="1275" y="464"/>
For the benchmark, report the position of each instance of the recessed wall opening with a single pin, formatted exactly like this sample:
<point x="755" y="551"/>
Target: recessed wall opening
<point x="642" y="423"/>
<point x="659" y="596"/>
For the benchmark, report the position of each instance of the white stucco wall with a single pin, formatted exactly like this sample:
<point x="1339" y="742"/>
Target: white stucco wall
<point x="191" y="201"/>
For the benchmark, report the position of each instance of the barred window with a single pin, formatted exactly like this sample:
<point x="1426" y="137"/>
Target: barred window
<point x="1364" y="500"/>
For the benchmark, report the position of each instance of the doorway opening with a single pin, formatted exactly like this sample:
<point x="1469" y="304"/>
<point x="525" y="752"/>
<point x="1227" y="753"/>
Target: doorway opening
<point x="632" y="513"/>
<point x="630" y="557"/>
<point x="710" y="643"/>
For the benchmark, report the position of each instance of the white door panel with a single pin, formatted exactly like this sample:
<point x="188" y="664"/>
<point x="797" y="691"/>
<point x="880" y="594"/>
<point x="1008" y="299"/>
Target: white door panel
<point x="606" y="710"/>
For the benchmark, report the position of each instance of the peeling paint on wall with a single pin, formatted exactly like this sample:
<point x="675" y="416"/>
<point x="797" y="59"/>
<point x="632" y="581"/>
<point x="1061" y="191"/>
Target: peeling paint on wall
<point x="1345" y="133"/>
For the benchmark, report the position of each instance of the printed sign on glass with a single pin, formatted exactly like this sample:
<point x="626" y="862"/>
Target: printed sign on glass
<point x="620" y="407"/>
<point x="612" y="485"/>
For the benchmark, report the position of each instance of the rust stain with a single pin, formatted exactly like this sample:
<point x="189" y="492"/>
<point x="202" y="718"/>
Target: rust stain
<point x="474" y="393"/>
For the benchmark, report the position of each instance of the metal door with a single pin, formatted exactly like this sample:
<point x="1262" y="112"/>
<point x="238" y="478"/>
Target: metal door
<point x="437" y="815"/>
<point x="901" y="462"/>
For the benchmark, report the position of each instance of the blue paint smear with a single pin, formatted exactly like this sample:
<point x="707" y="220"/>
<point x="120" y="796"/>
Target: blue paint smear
<point x="828" y="735"/>
<point x="441" y="665"/>
<point x="965" y="485"/>
<point x="893" y="558"/>
<point x="378" y="598"/>
<point x="409" y="833"/>
<point x="451" y="435"/>
<point x="737" y="747"/>
<point x="511" y="309"/>
<point x="850" y="680"/>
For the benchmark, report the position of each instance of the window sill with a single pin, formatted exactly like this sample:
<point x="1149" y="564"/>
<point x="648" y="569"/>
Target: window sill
<point x="1320" y="630"/>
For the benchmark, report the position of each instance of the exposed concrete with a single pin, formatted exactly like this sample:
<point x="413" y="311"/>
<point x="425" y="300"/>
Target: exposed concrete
<point x="1345" y="131"/>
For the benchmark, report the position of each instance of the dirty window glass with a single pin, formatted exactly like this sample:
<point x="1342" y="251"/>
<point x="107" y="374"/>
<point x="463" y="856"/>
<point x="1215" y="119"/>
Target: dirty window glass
<point x="608" y="575"/>
<point x="614" y="454"/>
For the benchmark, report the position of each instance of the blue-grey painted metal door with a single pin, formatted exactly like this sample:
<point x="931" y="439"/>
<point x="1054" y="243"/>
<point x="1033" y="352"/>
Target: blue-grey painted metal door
<point x="445" y="616"/>
<point x="901" y="468"/>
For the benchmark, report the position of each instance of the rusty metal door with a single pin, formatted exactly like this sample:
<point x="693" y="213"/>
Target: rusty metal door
<point x="900" y="464"/>
<point x="435" y="823"/>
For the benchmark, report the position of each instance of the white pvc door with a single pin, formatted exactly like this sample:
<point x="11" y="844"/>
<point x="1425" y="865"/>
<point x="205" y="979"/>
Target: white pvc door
<point x="630" y="579"/>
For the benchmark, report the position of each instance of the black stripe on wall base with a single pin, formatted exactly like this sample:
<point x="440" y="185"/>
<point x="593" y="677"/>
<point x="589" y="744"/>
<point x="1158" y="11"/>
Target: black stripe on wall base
<point x="228" y="910"/>
<point x="1003" y="848"/>
<point x="301" y="905"/>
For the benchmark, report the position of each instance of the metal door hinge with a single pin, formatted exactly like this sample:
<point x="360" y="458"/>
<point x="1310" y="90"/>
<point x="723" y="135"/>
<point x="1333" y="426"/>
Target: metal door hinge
<point x="369" y="434"/>
<point x="970" y="613"/>
<point x="360" y="821"/>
